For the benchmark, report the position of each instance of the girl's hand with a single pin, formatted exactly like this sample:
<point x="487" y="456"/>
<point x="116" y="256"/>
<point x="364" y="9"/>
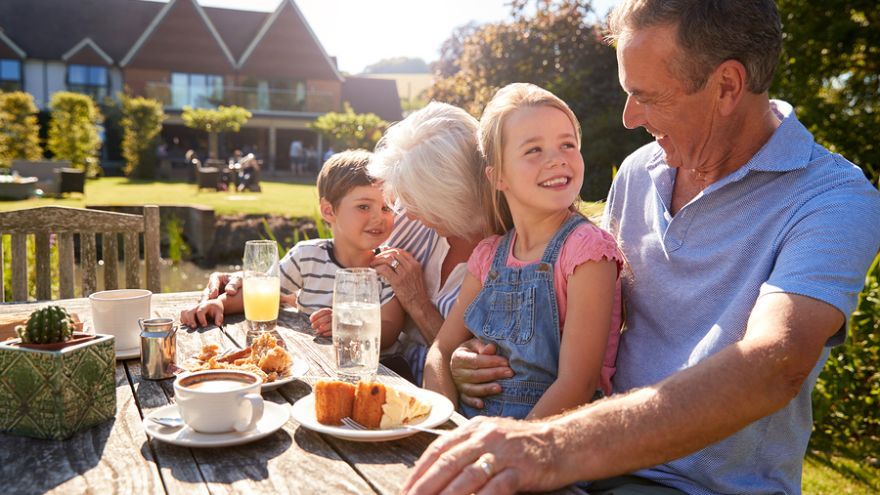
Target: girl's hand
<point x="404" y="274"/>
<point x="322" y="322"/>
<point x="198" y="316"/>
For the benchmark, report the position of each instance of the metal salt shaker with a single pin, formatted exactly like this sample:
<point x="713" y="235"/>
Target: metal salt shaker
<point x="158" y="347"/>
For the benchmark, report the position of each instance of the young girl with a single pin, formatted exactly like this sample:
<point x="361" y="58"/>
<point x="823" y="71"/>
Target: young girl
<point x="546" y="290"/>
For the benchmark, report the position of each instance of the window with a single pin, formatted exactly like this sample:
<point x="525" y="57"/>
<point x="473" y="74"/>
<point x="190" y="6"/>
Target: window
<point x="88" y="79"/>
<point x="196" y="90"/>
<point x="10" y="75"/>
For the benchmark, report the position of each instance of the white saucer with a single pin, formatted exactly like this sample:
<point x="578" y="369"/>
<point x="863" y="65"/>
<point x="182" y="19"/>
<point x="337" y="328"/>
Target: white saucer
<point x="134" y="352"/>
<point x="299" y="368"/>
<point x="274" y="417"/>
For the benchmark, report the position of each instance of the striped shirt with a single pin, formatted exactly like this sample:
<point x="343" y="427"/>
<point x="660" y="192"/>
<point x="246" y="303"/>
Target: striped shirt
<point x="308" y="271"/>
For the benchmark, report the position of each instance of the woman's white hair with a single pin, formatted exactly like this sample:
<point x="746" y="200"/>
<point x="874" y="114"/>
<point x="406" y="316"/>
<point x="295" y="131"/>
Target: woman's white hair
<point x="430" y="162"/>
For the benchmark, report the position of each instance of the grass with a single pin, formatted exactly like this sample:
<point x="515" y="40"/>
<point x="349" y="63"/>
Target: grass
<point x="823" y="473"/>
<point x="278" y="198"/>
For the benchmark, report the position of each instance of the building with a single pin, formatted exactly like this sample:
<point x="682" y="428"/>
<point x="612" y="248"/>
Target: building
<point x="184" y="54"/>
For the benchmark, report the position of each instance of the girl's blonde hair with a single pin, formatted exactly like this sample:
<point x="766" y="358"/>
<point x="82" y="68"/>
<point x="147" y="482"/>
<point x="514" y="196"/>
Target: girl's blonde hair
<point x="491" y="140"/>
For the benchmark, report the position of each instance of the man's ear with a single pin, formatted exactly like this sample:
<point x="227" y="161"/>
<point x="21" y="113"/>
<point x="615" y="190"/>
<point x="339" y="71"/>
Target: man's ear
<point x="327" y="212"/>
<point x="732" y="80"/>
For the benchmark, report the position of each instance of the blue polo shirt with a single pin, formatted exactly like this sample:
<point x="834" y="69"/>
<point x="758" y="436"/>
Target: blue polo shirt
<point x="795" y="219"/>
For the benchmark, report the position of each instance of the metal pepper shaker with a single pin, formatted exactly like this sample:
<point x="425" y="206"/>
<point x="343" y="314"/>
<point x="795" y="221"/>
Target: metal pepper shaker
<point x="158" y="347"/>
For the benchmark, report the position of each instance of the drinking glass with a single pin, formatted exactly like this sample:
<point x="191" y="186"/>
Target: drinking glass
<point x="262" y="287"/>
<point x="357" y="323"/>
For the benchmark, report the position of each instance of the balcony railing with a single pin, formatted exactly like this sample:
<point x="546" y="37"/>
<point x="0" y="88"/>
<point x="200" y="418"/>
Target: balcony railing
<point x="254" y="99"/>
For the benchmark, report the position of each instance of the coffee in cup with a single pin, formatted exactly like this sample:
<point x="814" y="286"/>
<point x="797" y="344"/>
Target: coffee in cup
<point x="219" y="401"/>
<point x="116" y="312"/>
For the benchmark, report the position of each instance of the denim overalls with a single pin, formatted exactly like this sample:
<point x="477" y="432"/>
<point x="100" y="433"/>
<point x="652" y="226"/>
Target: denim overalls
<point x="517" y="310"/>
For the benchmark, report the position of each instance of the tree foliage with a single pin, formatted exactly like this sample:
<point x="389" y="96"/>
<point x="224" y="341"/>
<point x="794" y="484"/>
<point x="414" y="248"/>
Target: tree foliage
<point x="19" y="131"/>
<point x="73" y="130"/>
<point x="214" y="121"/>
<point x="830" y="72"/>
<point x="141" y="125"/>
<point x="349" y="130"/>
<point x="398" y="65"/>
<point x="559" y="49"/>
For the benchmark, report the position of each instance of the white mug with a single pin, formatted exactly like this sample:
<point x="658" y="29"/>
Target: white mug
<point x="219" y="401"/>
<point x="116" y="312"/>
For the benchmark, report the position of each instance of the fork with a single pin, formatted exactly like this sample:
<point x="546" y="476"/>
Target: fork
<point x="354" y="425"/>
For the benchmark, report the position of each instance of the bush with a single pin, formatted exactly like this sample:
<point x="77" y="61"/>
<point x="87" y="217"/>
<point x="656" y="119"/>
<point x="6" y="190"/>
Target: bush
<point x="846" y="400"/>
<point x="73" y="130"/>
<point x="141" y="125"/>
<point x="19" y="132"/>
<point x="349" y="130"/>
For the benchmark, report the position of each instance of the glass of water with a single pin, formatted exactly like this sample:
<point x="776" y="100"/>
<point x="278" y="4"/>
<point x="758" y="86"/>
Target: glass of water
<point x="357" y="323"/>
<point x="261" y="288"/>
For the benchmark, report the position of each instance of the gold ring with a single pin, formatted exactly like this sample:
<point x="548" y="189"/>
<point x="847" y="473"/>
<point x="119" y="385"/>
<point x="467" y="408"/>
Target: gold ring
<point x="485" y="463"/>
<point x="394" y="264"/>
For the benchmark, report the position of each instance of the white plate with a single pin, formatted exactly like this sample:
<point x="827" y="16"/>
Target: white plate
<point x="134" y="352"/>
<point x="274" y="417"/>
<point x="303" y="412"/>
<point x="299" y="368"/>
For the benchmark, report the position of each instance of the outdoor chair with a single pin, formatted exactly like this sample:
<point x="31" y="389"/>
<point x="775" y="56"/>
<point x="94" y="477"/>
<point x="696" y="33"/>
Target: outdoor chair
<point x="207" y="176"/>
<point x="54" y="178"/>
<point x="70" y="180"/>
<point x="57" y="224"/>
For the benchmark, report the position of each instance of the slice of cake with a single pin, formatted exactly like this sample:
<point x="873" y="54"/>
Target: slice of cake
<point x="368" y="401"/>
<point x="333" y="401"/>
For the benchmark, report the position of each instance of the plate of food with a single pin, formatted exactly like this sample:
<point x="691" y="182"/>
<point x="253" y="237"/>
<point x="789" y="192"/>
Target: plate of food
<point x="383" y="409"/>
<point x="265" y="357"/>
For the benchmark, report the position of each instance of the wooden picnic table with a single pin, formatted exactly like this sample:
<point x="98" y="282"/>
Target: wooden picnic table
<point x="117" y="456"/>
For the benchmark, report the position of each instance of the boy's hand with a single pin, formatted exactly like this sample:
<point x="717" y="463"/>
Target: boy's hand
<point x="222" y="283"/>
<point x="199" y="315"/>
<point x="322" y="322"/>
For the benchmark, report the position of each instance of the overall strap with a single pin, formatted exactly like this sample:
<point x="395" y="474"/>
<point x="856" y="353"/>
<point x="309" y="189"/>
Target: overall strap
<point x="554" y="247"/>
<point x="500" y="259"/>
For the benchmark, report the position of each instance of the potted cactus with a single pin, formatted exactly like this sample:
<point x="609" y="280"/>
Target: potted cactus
<point x="53" y="380"/>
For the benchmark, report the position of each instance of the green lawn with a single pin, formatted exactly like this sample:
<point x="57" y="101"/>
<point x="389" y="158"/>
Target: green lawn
<point x="823" y="473"/>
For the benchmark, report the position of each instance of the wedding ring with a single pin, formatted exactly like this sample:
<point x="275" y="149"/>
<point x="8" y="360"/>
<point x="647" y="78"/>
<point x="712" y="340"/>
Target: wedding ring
<point x="485" y="463"/>
<point x="394" y="264"/>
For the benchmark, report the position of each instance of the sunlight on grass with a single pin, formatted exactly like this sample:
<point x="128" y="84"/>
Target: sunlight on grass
<point x="824" y="474"/>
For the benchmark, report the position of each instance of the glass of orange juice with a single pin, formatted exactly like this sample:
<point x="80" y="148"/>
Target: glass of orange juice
<point x="262" y="287"/>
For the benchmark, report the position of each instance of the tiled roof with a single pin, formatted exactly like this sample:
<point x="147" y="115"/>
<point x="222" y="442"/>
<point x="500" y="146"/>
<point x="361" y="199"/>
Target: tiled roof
<point x="370" y="95"/>
<point x="236" y="27"/>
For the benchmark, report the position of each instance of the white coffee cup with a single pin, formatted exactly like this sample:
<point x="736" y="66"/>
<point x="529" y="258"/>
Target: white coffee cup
<point x="116" y="312"/>
<point x="219" y="401"/>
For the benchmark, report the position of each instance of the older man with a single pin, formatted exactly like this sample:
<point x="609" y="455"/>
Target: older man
<point x="747" y="244"/>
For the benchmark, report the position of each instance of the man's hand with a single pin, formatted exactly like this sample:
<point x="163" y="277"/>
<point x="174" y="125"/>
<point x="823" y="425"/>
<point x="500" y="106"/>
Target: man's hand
<point x="220" y="283"/>
<point x="489" y="455"/>
<point x="475" y="367"/>
<point x="198" y="316"/>
<point x="322" y="322"/>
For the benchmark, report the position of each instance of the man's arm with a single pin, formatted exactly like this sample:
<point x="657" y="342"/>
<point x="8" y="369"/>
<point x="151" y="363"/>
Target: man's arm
<point x="687" y="411"/>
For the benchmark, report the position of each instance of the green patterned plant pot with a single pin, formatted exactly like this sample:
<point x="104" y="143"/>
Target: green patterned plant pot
<point x="54" y="394"/>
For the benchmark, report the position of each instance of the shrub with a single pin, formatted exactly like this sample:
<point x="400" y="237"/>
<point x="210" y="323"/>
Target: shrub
<point x="19" y="132"/>
<point x="141" y="125"/>
<point x="846" y="400"/>
<point x="73" y="130"/>
<point x="215" y="121"/>
<point x="349" y="130"/>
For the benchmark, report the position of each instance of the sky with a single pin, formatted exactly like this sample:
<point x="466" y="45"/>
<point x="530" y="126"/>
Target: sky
<point x="361" y="32"/>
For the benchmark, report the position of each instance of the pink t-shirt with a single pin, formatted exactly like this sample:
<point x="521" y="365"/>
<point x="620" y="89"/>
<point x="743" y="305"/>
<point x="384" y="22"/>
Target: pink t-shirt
<point x="586" y="243"/>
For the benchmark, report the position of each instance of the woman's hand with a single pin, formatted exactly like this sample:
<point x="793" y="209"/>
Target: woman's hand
<point x="489" y="455"/>
<point x="322" y="322"/>
<point x="404" y="274"/>
<point x="198" y="316"/>
<point x="475" y="367"/>
<point x="220" y="283"/>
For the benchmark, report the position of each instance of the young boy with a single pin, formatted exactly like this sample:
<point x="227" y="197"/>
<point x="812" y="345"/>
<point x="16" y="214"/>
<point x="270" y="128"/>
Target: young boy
<point x="360" y="220"/>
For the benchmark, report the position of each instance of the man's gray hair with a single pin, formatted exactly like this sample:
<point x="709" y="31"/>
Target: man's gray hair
<point x="430" y="163"/>
<point x="708" y="33"/>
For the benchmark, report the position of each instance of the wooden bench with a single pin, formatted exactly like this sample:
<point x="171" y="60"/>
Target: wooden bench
<point x="64" y="222"/>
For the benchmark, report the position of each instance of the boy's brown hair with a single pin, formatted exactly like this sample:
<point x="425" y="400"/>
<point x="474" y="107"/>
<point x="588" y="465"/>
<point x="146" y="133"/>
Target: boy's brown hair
<point x="341" y="173"/>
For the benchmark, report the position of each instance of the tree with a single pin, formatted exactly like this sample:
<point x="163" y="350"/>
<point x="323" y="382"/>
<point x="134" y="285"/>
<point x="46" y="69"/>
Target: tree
<point x="19" y="132"/>
<point x="398" y="65"/>
<point x="73" y="130"/>
<point x="141" y="125"/>
<point x="349" y="130"/>
<point x="557" y="48"/>
<point x="830" y="72"/>
<point x="215" y="121"/>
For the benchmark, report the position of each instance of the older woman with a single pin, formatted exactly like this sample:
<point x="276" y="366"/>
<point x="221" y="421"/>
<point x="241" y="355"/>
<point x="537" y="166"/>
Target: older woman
<point x="431" y="168"/>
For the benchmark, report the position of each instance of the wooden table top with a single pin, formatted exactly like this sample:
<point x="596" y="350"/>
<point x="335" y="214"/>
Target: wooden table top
<point x="118" y="457"/>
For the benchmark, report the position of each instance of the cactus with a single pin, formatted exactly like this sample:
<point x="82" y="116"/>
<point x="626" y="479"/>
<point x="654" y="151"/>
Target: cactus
<point x="47" y="325"/>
